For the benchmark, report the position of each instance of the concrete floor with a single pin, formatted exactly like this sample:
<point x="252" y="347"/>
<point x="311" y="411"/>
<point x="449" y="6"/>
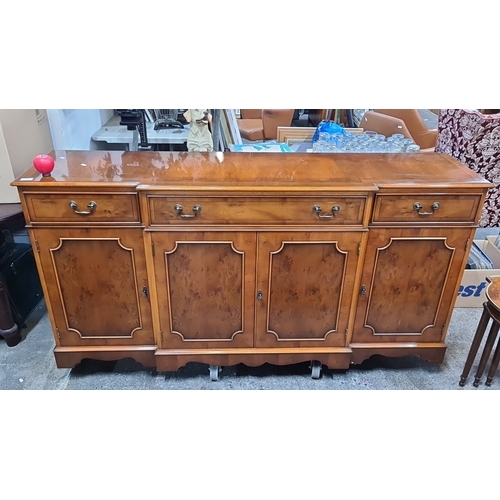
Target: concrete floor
<point x="31" y="366"/>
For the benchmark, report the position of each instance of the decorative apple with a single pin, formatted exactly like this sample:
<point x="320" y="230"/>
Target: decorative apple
<point x="44" y="164"/>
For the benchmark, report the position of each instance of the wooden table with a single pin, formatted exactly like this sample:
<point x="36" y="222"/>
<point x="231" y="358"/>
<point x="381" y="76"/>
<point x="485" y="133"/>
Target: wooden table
<point x="491" y="311"/>
<point x="493" y="291"/>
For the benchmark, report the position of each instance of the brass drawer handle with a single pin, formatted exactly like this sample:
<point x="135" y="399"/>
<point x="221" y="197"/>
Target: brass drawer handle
<point x="317" y="211"/>
<point x="196" y="210"/>
<point x="91" y="206"/>
<point x="418" y="208"/>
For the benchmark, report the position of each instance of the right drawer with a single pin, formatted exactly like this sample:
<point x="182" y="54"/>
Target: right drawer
<point x="417" y="208"/>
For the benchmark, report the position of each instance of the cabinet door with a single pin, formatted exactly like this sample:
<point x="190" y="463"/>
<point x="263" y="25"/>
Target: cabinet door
<point x="305" y="288"/>
<point x="408" y="284"/>
<point x="97" y="286"/>
<point x="205" y="288"/>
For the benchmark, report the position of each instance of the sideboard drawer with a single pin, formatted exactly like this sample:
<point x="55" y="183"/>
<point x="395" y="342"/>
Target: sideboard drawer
<point x="83" y="207"/>
<point x="316" y="211"/>
<point x="418" y="208"/>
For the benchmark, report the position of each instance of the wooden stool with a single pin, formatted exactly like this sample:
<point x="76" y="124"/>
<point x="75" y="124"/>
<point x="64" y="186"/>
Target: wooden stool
<point x="491" y="310"/>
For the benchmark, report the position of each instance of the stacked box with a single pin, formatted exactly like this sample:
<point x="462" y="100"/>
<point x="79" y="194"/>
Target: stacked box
<point x="472" y="289"/>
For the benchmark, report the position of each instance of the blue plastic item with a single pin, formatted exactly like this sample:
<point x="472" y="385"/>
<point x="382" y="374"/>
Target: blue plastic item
<point x="327" y="126"/>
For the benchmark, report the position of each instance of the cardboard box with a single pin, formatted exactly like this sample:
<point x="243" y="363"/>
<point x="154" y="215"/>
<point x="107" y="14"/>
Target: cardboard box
<point x="471" y="291"/>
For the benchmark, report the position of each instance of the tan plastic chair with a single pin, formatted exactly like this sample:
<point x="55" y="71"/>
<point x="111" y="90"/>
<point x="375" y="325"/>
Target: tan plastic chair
<point x="262" y="124"/>
<point x="423" y="136"/>
<point x="388" y="125"/>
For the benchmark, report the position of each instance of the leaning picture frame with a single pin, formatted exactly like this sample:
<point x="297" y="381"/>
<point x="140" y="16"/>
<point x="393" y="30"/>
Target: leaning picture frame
<point x="292" y="135"/>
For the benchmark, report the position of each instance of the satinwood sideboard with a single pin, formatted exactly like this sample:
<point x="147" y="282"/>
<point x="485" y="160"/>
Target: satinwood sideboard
<point x="227" y="258"/>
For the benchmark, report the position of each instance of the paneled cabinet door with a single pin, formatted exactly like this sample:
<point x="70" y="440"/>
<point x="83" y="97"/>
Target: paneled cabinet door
<point x="408" y="284"/>
<point x="97" y="285"/>
<point x="205" y="288"/>
<point x="305" y="288"/>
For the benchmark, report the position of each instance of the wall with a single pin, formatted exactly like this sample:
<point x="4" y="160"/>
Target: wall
<point x="73" y="128"/>
<point x="24" y="133"/>
<point x="7" y="193"/>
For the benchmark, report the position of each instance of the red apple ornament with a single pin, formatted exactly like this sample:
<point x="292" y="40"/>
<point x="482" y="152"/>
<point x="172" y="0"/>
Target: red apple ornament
<point x="44" y="164"/>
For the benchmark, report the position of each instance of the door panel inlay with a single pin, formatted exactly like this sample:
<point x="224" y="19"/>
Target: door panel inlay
<point x="305" y="290"/>
<point x="205" y="281"/>
<point x="410" y="275"/>
<point x="99" y="295"/>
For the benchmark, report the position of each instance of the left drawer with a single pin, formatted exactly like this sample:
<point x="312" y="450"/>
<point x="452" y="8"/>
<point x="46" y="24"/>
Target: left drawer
<point x="80" y="207"/>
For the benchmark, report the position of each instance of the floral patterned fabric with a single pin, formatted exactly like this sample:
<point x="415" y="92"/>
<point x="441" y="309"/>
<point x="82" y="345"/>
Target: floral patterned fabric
<point x="473" y="139"/>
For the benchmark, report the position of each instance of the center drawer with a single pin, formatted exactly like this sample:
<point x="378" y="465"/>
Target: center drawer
<point x="308" y="210"/>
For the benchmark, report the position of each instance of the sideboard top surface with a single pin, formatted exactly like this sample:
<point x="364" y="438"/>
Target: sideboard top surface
<point x="253" y="171"/>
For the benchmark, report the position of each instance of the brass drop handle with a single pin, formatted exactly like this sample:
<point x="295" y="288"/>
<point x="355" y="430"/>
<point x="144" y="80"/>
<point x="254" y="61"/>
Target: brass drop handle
<point x="91" y="206"/>
<point x="196" y="210"/>
<point x="317" y="210"/>
<point x="418" y="208"/>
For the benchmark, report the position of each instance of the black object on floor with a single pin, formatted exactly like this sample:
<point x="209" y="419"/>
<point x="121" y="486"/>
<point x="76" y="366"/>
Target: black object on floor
<point x="21" y="283"/>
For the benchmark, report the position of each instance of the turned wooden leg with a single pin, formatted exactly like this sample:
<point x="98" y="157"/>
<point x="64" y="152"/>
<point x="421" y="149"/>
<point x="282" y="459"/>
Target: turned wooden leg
<point x="486" y="353"/>
<point x="478" y="337"/>
<point x="8" y="329"/>
<point x="494" y="365"/>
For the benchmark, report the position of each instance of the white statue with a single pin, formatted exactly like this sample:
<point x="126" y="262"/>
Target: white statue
<point x="199" y="138"/>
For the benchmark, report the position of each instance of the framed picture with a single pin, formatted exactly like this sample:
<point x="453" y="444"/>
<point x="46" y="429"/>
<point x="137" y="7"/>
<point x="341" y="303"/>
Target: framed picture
<point x="291" y="135"/>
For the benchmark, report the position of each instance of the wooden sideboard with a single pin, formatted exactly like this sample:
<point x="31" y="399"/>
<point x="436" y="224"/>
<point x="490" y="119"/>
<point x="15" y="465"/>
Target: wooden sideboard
<point x="226" y="258"/>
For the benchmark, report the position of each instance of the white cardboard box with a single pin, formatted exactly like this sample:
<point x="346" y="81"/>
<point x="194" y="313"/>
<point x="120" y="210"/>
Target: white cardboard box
<point x="471" y="291"/>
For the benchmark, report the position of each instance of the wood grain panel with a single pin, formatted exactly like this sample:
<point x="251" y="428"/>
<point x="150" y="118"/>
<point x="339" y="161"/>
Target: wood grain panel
<point x="452" y="208"/>
<point x="307" y="284"/>
<point x="309" y="276"/>
<point x="206" y="279"/>
<point x="254" y="172"/>
<point x="95" y="279"/>
<point x="105" y="283"/>
<point x="408" y="280"/>
<point x="234" y="210"/>
<point x="334" y="357"/>
<point x="68" y="357"/>
<point x="205" y="288"/>
<point x="432" y="352"/>
<point x="110" y="207"/>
